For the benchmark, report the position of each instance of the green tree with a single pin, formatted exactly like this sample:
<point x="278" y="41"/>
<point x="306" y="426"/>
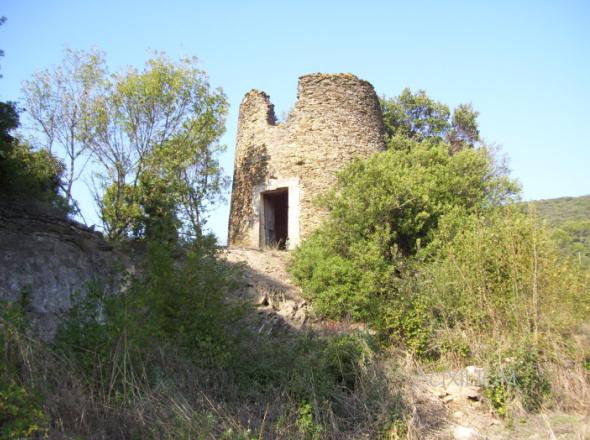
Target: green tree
<point x="418" y="117"/>
<point x="58" y="103"/>
<point x="464" y="131"/>
<point x="157" y="131"/>
<point x="26" y="175"/>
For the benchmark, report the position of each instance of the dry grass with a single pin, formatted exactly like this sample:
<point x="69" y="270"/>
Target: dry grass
<point x="191" y="402"/>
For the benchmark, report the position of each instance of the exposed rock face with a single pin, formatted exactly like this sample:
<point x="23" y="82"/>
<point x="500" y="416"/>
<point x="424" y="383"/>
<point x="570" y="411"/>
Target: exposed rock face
<point x="336" y="118"/>
<point x="50" y="259"/>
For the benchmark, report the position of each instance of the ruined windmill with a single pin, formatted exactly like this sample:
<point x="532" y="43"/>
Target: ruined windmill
<point x="281" y="167"/>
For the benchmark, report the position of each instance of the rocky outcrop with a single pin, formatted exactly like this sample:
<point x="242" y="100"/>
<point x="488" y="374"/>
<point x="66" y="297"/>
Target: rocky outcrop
<point x="50" y="258"/>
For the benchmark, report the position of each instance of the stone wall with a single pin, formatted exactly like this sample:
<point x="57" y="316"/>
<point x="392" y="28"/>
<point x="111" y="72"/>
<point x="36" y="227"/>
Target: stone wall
<point x="336" y="117"/>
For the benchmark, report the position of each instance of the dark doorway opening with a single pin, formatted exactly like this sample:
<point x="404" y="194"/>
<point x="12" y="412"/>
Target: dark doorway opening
<point x="276" y="217"/>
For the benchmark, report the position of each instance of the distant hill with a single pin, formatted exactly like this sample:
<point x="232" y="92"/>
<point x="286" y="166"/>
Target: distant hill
<point x="563" y="209"/>
<point x="569" y="218"/>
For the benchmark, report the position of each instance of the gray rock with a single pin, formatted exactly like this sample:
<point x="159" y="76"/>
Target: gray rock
<point x="49" y="259"/>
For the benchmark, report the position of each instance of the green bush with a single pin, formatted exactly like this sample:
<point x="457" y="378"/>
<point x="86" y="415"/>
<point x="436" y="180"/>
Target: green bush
<point x="519" y="377"/>
<point x="531" y="382"/>
<point x="499" y="281"/>
<point x="308" y="428"/>
<point x="408" y="321"/>
<point x="21" y="413"/>
<point x="84" y="335"/>
<point x="182" y="301"/>
<point x="426" y="248"/>
<point x="136" y="364"/>
<point x="345" y="359"/>
<point x="338" y="286"/>
<point x="383" y="214"/>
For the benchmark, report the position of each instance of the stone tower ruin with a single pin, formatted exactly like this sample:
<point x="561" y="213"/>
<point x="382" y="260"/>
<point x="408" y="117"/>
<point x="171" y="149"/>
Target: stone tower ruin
<point x="281" y="167"/>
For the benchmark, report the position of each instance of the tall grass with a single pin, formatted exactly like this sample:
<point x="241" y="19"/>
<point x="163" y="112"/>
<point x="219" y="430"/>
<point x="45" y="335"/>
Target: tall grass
<point x="137" y="365"/>
<point x="502" y="294"/>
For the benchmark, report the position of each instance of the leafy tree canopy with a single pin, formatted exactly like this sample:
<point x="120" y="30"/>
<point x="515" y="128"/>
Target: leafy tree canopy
<point x="58" y="101"/>
<point x="155" y="133"/>
<point x="418" y="117"/>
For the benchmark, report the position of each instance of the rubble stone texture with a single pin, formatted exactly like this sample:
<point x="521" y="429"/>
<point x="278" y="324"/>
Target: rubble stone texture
<point x="336" y="118"/>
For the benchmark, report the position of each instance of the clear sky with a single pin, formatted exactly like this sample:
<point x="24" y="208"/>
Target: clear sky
<point x="525" y="65"/>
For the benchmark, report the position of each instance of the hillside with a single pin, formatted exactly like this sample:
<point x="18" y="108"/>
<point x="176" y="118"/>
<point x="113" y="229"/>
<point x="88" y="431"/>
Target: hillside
<point x="569" y="217"/>
<point x="562" y="209"/>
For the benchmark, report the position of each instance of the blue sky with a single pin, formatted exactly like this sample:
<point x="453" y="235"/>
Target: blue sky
<point x="525" y="65"/>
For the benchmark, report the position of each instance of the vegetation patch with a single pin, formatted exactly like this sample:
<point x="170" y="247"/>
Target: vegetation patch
<point x="426" y="243"/>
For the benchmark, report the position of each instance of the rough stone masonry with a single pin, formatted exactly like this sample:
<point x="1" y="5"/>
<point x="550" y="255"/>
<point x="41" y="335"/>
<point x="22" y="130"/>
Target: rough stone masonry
<point x="280" y="168"/>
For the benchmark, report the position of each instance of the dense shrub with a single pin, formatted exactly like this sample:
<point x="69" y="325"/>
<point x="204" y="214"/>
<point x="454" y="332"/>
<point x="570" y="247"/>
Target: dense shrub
<point x="382" y="212"/>
<point x="502" y="273"/>
<point x="518" y="377"/>
<point x="501" y="282"/>
<point x="21" y="413"/>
